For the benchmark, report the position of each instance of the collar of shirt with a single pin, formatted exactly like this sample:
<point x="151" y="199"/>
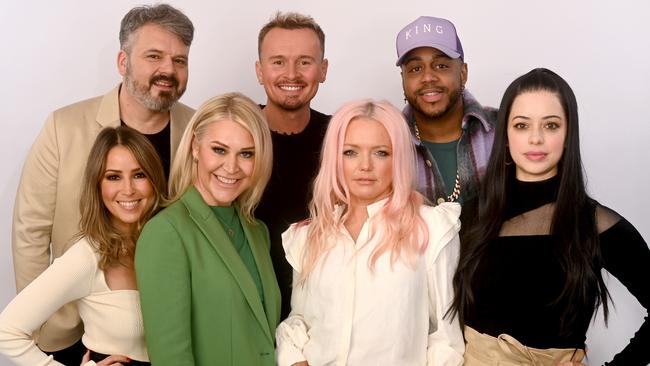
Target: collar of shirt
<point x="372" y="208"/>
<point x="473" y="112"/>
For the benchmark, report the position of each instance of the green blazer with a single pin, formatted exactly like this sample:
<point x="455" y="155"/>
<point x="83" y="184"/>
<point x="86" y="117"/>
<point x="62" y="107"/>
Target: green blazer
<point x="199" y="303"/>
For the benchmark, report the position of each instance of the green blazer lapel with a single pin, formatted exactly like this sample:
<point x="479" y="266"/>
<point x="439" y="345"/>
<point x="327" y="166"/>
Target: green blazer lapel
<point x="209" y="225"/>
<point x="258" y="240"/>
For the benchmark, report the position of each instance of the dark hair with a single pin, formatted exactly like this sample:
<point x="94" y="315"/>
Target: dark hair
<point x="291" y="20"/>
<point x="573" y="221"/>
<point x="163" y="15"/>
<point x="95" y="223"/>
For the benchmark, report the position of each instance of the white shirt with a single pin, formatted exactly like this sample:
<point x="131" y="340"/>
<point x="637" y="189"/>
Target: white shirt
<point x="112" y="319"/>
<point x="346" y="314"/>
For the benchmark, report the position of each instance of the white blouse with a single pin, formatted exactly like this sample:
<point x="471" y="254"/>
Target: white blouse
<point x="112" y="319"/>
<point x="346" y="314"/>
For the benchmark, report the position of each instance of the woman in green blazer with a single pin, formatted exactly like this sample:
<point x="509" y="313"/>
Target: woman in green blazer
<point x="208" y="290"/>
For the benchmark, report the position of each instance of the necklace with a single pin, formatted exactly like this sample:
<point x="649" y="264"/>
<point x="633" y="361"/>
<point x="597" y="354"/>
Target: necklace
<point x="228" y="219"/>
<point x="453" y="197"/>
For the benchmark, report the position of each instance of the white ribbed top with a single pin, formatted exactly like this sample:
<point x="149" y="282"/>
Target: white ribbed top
<point x="112" y="319"/>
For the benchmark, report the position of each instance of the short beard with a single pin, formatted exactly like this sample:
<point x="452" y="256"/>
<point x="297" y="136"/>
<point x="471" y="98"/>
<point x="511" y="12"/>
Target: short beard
<point x="142" y="94"/>
<point x="290" y="104"/>
<point x="454" y="97"/>
<point x="291" y="107"/>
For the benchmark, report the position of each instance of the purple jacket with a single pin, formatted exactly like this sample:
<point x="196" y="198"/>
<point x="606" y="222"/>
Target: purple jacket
<point x="473" y="151"/>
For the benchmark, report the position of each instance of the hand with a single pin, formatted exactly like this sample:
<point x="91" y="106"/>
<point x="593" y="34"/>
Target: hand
<point x="114" y="360"/>
<point x="571" y="363"/>
<point x="301" y="363"/>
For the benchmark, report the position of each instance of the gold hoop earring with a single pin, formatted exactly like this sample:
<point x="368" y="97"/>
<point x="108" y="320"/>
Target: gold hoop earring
<point x="508" y="156"/>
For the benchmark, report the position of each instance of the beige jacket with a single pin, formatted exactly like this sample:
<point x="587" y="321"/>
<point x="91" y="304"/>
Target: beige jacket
<point x="46" y="211"/>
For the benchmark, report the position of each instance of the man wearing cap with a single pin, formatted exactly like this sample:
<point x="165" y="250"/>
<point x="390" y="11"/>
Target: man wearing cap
<point x="452" y="132"/>
<point x="153" y="62"/>
<point x="291" y="66"/>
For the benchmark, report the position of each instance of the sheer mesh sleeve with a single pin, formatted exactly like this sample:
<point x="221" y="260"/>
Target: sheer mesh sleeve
<point x="533" y="222"/>
<point x="606" y="218"/>
<point x="627" y="257"/>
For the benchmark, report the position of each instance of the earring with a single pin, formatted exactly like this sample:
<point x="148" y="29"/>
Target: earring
<point x="508" y="156"/>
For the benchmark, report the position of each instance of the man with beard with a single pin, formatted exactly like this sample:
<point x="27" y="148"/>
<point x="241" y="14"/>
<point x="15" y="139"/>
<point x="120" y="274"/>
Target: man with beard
<point x="153" y="61"/>
<point x="452" y="132"/>
<point x="291" y="65"/>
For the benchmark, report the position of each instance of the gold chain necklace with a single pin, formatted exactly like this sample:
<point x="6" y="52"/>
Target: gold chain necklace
<point x="453" y="197"/>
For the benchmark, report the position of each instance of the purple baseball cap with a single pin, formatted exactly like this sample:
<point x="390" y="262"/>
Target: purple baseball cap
<point x="429" y="32"/>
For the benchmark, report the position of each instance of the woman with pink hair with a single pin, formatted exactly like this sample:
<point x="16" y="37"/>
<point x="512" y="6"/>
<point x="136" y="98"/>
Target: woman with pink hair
<point x="373" y="265"/>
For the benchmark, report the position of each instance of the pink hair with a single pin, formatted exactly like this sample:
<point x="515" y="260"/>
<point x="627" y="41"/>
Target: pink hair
<point x="404" y="231"/>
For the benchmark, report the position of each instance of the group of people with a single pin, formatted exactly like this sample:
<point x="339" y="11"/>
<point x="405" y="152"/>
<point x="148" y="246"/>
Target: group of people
<point x="246" y="234"/>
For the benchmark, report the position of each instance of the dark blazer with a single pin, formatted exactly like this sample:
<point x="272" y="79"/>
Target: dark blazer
<point x="199" y="302"/>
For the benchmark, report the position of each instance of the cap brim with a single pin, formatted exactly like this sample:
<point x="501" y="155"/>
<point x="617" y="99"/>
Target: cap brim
<point x="447" y="51"/>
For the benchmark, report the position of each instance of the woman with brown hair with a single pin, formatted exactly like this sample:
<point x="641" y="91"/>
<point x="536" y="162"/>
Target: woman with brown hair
<point x="123" y="186"/>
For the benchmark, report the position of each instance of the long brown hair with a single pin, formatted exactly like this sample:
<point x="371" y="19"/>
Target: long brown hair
<point x="96" y="225"/>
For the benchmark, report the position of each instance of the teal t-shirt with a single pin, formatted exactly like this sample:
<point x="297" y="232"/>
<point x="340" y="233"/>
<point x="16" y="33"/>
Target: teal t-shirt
<point x="229" y="219"/>
<point x="445" y="155"/>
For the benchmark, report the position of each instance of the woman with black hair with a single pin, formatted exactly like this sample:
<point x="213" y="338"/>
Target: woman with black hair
<point x="533" y="244"/>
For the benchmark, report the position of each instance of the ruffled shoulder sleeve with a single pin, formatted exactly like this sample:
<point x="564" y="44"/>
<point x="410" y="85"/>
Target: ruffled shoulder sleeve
<point x="294" y="240"/>
<point x="443" y="224"/>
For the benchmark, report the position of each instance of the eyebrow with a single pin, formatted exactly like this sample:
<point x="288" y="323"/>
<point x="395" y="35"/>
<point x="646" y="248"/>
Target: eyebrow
<point x="545" y="117"/>
<point x="120" y="171"/>
<point x="228" y="147"/>
<point x="419" y="58"/>
<point x="373" y="147"/>
<point x="283" y="57"/>
<point x="411" y="58"/>
<point x="155" y="50"/>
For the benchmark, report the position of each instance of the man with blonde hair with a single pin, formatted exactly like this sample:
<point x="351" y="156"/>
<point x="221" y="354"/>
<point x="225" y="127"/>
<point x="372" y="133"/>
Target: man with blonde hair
<point x="291" y="65"/>
<point x="153" y="61"/>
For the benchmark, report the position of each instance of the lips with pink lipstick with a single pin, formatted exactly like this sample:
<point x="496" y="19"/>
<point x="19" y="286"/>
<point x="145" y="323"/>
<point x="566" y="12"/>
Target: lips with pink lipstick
<point x="364" y="181"/>
<point x="129" y="205"/>
<point x="226" y="180"/>
<point x="535" y="155"/>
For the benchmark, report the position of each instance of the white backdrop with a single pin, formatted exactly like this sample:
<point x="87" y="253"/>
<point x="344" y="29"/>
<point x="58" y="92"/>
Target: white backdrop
<point x="56" y="53"/>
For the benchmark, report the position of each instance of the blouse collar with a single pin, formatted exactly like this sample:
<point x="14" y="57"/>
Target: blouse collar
<point x="372" y="208"/>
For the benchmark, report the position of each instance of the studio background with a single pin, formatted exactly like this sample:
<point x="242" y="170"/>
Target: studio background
<point x="57" y="53"/>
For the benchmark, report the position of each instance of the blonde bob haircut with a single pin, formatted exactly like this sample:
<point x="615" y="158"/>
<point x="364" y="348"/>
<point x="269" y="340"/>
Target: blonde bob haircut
<point x="95" y="224"/>
<point x="240" y="109"/>
<point x="403" y="231"/>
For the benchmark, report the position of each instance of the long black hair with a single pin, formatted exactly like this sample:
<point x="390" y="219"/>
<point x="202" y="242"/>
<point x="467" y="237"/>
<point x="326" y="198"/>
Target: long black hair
<point x="573" y="222"/>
